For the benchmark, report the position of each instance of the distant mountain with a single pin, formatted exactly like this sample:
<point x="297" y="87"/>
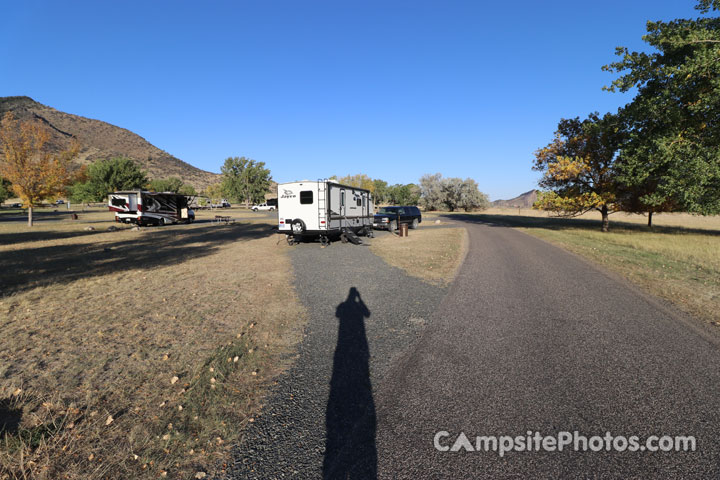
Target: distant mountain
<point x="524" y="200"/>
<point x="102" y="140"/>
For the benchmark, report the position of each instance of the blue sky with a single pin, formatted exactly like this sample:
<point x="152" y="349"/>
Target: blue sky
<point x="393" y="89"/>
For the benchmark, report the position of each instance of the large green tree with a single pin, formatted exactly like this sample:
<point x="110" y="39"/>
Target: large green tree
<point x="671" y="159"/>
<point x="106" y="176"/>
<point x="380" y="191"/>
<point x="172" y="184"/>
<point x="400" y="194"/>
<point x="245" y="179"/>
<point x="579" y="167"/>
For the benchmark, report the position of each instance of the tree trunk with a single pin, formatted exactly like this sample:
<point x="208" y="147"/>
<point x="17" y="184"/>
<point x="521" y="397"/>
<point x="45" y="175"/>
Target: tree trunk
<point x="30" y="219"/>
<point x="605" y="218"/>
<point x="650" y="219"/>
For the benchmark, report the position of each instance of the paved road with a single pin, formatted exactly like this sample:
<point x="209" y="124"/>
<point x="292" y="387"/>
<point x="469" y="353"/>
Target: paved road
<point x="531" y="338"/>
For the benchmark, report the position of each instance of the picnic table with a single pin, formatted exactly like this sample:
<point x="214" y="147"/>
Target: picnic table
<point x="224" y="219"/>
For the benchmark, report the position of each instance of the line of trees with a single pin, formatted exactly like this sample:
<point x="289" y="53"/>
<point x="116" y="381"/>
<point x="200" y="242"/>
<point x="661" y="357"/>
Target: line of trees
<point x="660" y="152"/>
<point x="383" y="193"/>
<point x="433" y="192"/>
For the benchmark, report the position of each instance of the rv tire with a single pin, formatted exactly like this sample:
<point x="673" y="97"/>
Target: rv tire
<point x="298" y="227"/>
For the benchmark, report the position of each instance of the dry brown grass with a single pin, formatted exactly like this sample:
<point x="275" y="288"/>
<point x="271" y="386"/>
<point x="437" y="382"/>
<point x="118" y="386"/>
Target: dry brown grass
<point x="433" y="254"/>
<point x="137" y="354"/>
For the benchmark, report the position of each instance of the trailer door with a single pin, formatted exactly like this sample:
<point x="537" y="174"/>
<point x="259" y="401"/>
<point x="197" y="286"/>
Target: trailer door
<point x="343" y="204"/>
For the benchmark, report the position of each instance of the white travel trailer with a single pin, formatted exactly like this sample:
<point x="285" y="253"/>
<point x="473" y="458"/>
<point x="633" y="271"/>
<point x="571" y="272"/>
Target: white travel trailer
<point x="151" y="208"/>
<point x="324" y="209"/>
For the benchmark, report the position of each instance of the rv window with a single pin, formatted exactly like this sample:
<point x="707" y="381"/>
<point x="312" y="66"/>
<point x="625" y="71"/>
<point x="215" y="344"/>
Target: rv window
<point x="342" y="198"/>
<point x="359" y="202"/>
<point x="306" y="197"/>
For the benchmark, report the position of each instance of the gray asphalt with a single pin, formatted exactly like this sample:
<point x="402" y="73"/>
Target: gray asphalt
<point x="363" y="315"/>
<point x="528" y="338"/>
<point x="532" y="338"/>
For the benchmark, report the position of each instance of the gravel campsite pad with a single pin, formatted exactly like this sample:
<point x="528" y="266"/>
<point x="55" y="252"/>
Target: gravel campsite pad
<point x="363" y="314"/>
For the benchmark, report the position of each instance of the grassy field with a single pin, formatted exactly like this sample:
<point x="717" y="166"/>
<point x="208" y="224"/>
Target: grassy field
<point x="433" y="254"/>
<point x="137" y="354"/>
<point x="678" y="259"/>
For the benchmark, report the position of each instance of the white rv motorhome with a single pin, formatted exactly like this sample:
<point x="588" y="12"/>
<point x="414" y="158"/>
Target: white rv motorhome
<point x="150" y="208"/>
<point x="323" y="209"/>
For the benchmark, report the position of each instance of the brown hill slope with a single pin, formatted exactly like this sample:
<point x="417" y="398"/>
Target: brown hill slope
<point x="524" y="200"/>
<point x="102" y="140"/>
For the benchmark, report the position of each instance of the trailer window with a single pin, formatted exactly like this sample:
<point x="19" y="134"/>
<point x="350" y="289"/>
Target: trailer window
<point x="306" y="197"/>
<point x="359" y="202"/>
<point x="342" y="198"/>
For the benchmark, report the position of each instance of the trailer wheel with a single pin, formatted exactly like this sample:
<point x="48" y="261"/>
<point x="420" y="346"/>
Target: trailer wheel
<point x="290" y="240"/>
<point x="298" y="227"/>
<point x="343" y="238"/>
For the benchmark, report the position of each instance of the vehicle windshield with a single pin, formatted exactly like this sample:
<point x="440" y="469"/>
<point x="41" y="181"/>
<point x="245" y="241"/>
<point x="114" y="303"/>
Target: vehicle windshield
<point x="388" y="210"/>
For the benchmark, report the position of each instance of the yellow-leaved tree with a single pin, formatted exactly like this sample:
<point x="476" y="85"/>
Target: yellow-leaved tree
<point x="579" y="167"/>
<point x="359" y="180"/>
<point x="27" y="161"/>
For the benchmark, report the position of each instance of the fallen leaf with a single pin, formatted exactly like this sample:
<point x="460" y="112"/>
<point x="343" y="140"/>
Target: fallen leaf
<point x="173" y="380"/>
<point x="109" y="420"/>
<point x="200" y="475"/>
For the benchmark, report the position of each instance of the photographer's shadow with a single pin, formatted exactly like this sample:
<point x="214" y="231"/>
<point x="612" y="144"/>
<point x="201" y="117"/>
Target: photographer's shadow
<point x="350" y="450"/>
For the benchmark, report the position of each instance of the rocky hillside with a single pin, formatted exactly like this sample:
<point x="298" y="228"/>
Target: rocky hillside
<point x="102" y="140"/>
<point x="524" y="200"/>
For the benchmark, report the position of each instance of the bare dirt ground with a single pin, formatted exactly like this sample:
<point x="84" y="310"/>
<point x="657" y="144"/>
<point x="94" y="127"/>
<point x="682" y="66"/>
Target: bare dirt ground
<point x="433" y="254"/>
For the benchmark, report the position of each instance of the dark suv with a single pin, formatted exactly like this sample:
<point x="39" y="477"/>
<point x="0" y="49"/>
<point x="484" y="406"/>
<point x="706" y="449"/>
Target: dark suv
<point x="391" y="217"/>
